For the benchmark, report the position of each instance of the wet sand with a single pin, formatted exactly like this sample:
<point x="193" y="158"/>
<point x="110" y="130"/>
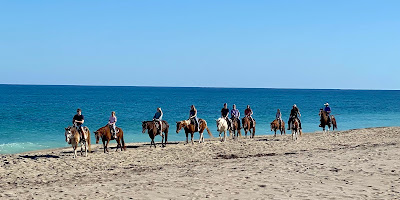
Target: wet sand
<point x="354" y="164"/>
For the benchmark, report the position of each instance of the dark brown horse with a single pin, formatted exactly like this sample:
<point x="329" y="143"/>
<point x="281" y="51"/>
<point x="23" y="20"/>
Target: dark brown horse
<point x="153" y="131"/>
<point x="334" y="125"/>
<point x="275" y="126"/>
<point x="248" y="126"/>
<point x="235" y="128"/>
<point x="190" y="128"/>
<point x="324" y="120"/>
<point x="105" y="134"/>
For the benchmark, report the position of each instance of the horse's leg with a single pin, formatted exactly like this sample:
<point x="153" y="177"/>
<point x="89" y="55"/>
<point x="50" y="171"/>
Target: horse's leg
<point x="162" y="140"/>
<point x="104" y="145"/>
<point x="82" y="148"/>
<point x="154" y="143"/>
<point x="86" y="145"/>
<point x="118" y="144"/>
<point x="187" y="135"/>
<point x="192" y="134"/>
<point x="74" y="148"/>
<point x="224" y="136"/>
<point x="107" y="145"/>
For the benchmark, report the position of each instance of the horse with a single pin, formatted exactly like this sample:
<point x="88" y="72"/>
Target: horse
<point x="248" y="125"/>
<point x="73" y="137"/>
<point x="275" y="126"/>
<point x="153" y="130"/>
<point x="295" y="127"/>
<point x="235" y="128"/>
<point x="105" y="134"/>
<point x="334" y="125"/>
<point x="190" y="128"/>
<point x="222" y="126"/>
<point x="324" y="120"/>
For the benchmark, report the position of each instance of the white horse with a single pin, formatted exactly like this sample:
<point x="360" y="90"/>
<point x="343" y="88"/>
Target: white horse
<point x="72" y="137"/>
<point x="222" y="126"/>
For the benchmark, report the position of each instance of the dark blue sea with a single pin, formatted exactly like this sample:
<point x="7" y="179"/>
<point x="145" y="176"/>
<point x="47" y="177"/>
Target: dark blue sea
<point x="33" y="117"/>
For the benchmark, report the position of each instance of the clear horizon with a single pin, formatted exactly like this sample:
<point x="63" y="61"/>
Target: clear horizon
<point x="226" y="44"/>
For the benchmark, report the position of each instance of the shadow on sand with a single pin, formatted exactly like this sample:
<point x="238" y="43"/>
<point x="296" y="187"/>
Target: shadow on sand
<point x="35" y="157"/>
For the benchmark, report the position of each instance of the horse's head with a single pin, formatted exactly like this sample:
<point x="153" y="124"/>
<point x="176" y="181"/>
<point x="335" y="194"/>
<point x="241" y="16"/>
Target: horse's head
<point x="67" y="134"/>
<point x="97" y="136"/>
<point x="180" y="125"/>
<point x="144" y="126"/>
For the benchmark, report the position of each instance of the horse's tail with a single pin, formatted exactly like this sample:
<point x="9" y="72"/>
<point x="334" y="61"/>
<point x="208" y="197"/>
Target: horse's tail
<point x="88" y="139"/>
<point x="166" y="132"/>
<point x="206" y="127"/>
<point x="122" y="139"/>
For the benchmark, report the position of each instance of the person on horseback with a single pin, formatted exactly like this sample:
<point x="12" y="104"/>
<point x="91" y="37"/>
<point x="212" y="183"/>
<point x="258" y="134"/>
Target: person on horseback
<point x="225" y="113"/>
<point x="278" y="117"/>
<point x="248" y="113"/>
<point x="294" y="114"/>
<point x="111" y="123"/>
<point x="193" y="116"/>
<point x="78" y="120"/>
<point x="158" y="118"/>
<point x="235" y="114"/>
<point x="328" y="111"/>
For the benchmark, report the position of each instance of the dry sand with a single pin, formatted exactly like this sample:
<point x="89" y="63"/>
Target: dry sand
<point x="355" y="164"/>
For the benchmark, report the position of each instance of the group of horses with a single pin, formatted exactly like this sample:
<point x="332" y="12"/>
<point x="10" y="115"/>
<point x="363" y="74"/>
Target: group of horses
<point x="104" y="133"/>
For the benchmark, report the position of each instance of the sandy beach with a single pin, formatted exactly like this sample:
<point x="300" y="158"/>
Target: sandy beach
<point x="354" y="164"/>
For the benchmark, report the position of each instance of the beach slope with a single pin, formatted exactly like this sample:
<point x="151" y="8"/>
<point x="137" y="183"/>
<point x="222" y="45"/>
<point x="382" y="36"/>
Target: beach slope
<point x="354" y="164"/>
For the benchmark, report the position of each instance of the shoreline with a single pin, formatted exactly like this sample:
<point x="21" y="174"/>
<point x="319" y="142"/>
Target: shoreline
<point x="113" y="142"/>
<point x="360" y="163"/>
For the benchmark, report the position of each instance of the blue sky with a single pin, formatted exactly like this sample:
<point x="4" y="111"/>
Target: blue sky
<point x="268" y="44"/>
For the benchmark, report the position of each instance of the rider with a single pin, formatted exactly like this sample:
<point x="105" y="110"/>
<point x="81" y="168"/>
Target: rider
<point x="327" y="109"/>
<point x="158" y="118"/>
<point x="193" y="115"/>
<point x="248" y="112"/>
<point x="111" y="123"/>
<point x="294" y="114"/>
<point x="225" y="113"/>
<point x="278" y="117"/>
<point x="78" y="120"/>
<point x="235" y="114"/>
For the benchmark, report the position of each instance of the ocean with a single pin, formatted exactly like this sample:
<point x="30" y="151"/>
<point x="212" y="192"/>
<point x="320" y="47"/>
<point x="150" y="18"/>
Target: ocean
<point x="34" y="117"/>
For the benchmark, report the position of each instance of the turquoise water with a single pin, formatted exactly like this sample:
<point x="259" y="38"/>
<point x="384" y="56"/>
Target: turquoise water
<point x="34" y="117"/>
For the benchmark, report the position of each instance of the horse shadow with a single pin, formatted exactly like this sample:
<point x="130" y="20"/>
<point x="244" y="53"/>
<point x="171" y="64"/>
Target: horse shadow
<point x="146" y="145"/>
<point x="35" y="157"/>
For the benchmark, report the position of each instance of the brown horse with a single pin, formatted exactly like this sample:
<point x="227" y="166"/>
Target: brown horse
<point x="73" y="137"/>
<point x="153" y="131"/>
<point x="295" y="127"/>
<point x="190" y="128"/>
<point x="248" y="125"/>
<point x="235" y="128"/>
<point x="324" y="120"/>
<point x="275" y="126"/>
<point x="105" y="134"/>
<point x="334" y="125"/>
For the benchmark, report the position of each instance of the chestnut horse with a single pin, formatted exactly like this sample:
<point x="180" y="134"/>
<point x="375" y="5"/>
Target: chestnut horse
<point x="190" y="128"/>
<point x="105" y="134"/>
<point x="153" y="131"/>
<point x="275" y="126"/>
<point x="235" y="128"/>
<point x="222" y="127"/>
<point x="295" y="127"/>
<point x="248" y="125"/>
<point x="72" y="137"/>
<point x="324" y="120"/>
